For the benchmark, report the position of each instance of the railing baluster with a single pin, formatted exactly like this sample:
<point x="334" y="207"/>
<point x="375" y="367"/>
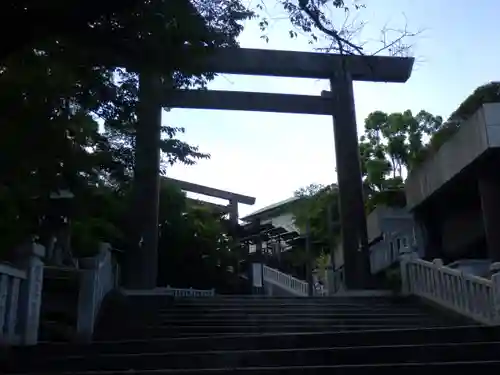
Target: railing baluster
<point x="12" y="309"/>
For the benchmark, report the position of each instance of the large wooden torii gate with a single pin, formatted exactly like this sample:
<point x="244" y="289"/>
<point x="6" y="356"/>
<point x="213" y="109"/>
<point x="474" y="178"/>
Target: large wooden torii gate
<point x="340" y="70"/>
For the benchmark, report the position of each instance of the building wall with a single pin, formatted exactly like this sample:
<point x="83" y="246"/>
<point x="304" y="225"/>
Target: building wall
<point x="388" y="220"/>
<point x="476" y="135"/>
<point x="462" y="229"/>
<point x="286" y="221"/>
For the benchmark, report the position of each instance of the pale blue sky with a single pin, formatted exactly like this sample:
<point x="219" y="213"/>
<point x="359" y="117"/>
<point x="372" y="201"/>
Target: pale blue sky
<point x="269" y="156"/>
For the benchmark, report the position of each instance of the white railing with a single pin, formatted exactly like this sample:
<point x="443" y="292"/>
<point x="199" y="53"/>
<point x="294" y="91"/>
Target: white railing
<point x="97" y="279"/>
<point x="289" y="283"/>
<point x="466" y="294"/>
<point x="190" y="292"/>
<point x="21" y="297"/>
<point x="386" y="253"/>
<point x="169" y="291"/>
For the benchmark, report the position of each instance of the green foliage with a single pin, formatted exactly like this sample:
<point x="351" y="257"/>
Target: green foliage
<point x="393" y="144"/>
<point x="14" y="227"/>
<point x="195" y="248"/>
<point x="390" y="146"/>
<point x="322" y="262"/>
<point x="69" y="113"/>
<point x="69" y="120"/>
<point x="84" y="240"/>
<point x="489" y="93"/>
<point x="313" y="208"/>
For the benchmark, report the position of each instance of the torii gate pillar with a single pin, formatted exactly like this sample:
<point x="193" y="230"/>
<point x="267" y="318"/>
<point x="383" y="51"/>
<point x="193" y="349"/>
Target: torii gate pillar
<point x="352" y="210"/>
<point x="141" y="259"/>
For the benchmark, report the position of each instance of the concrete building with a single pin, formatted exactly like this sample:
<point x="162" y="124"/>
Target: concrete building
<point x="276" y="215"/>
<point x="454" y="195"/>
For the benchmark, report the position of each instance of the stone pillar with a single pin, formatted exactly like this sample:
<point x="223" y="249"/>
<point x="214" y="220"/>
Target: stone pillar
<point x="417" y="243"/>
<point x="330" y="229"/>
<point x="256" y="269"/>
<point x="352" y="210"/>
<point x="30" y="293"/>
<point x="309" y="275"/>
<point x="431" y="232"/>
<point x="142" y="257"/>
<point x="404" y="259"/>
<point x="233" y="212"/>
<point x="489" y="192"/>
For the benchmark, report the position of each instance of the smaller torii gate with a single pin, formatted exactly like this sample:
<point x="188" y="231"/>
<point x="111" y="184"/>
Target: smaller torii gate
<point x="233" y="198"/>
<point x="340" y="70"/>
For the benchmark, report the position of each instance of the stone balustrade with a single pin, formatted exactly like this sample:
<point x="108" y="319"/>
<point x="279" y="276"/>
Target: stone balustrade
<point x="386" y="253"/>
<point x="97" y="279"/>
<point x="472" y="296"/>
<point x="21" y="297"/>
<point x="284" y="281"/>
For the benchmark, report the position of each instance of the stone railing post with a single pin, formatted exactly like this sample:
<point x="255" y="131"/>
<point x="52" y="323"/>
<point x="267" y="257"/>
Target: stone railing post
<point x="87" y="296"/>
<point x="97" y="278"/>
<point x="257" y="278"/>
<point x="405" y="260"/>
<point x="438" y="262"/>
<point x="30" y="293"/>
<point x="495" y="280"/>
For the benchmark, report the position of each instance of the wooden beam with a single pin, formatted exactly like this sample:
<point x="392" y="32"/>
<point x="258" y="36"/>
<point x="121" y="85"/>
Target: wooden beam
<point x="270" y="63"/>
<point x="214" y="206"/>
<point x="211" y="192"/>
<point x="248" y="101"/>
<point x="307" y="64"/>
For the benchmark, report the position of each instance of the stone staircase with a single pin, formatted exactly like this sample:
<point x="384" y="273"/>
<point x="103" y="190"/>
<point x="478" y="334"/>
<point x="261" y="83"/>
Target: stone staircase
<point x="264" y="335"/>
<point x="58" y="311"/>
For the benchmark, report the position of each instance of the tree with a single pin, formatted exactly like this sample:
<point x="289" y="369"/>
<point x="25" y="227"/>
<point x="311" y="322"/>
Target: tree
<point x="195" y="247"/>
<point x="391" y="145"/>
<point x="69" y="119"/>
<point x="488" y="93"/>
<point x="331" y="24"/>
<point x="313" y="208"/>
<point x="27" y="21"/>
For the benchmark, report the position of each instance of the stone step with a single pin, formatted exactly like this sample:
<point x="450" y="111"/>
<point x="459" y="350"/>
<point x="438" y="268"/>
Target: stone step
<point x="201" y="331"/>
<point x="449" y="352"/>
<point x="282" y="312"/>
<point x="283" y="306"/>
<point x="377" y="369"/>
<point x="229" y="298"/>
<point x="283" y="309"/>
<point x="269" y="341"/>
<point x="276" y="321"/>
<point x="288" y="316"/>
<point x="305" y="301"/>
<point x="264" y="302"/>
<point x="259" y="335"/>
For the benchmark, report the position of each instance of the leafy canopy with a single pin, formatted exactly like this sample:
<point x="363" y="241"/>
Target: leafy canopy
<point x="69" y="118"/>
